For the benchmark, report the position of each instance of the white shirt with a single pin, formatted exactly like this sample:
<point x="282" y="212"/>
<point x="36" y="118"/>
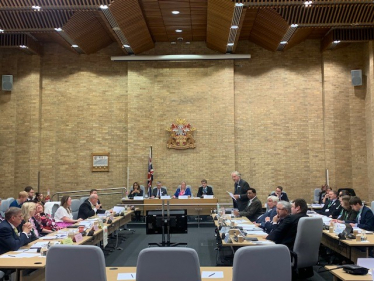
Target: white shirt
<point x="62" y="212"/>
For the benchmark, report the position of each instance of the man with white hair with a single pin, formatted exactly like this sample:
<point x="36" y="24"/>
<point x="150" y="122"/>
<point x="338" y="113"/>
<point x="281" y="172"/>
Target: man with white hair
<point x="90" y="208"/>
<point x="240" y="191"/>
<point x="272" y="211"/>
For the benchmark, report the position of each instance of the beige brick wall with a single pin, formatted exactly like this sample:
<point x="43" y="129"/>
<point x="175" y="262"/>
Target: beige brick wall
<point x="270" y="117"/>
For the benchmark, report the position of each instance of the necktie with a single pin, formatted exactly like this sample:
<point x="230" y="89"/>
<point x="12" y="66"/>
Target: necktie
<point x="159" y="193"/>
<point x="204" y="191"/>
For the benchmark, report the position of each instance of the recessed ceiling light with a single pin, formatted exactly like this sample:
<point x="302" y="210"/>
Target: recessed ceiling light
<point x="103" y="7"/>
<point x="283" y="42"/>
<point x="23" y="46"/>
<point x="58" y="29"/>
<point x="173" y="43"/>
<point x="308" y="3"/>
<point x="126" y="46"/>
<point x="239" y="4"/>
<point x="294" y="25"/>
<point x="234" y="26"/>
<point x="179" y="30"/>
<point x="74" y="46"/>
<point x="1" y="30"/>
<point x="36" y="8"/>
<point x="336" y="42"/>
<point x="230" y="44"/>
<point x="175" y="12"/>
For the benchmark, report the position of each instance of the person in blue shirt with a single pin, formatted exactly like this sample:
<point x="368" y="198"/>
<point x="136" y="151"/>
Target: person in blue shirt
<point x="365" y="217"/>
<point x="182" y="190"/>
<point x="272" y="202"/>
<point x="22" y="197"/>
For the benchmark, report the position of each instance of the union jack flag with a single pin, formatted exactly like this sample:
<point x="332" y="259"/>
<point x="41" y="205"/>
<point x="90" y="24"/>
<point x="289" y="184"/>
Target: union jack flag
<point x="150" y="172"/>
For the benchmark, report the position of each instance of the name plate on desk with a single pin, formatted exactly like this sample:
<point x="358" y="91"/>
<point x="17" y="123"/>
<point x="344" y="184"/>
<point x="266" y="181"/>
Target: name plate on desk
<point x="208" y="196"/>
<point x="165" y="197"/>
<point x="183" y="197"/>
<point x="138" y="197"/>
<point x="78" y="237"/>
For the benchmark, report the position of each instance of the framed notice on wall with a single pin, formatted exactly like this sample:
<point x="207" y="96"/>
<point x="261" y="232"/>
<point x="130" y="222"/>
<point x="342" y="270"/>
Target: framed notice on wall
<point x="100" y="162"/>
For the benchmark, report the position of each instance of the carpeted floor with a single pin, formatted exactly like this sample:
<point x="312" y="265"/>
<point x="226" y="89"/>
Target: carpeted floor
<point x="201" y="239"/>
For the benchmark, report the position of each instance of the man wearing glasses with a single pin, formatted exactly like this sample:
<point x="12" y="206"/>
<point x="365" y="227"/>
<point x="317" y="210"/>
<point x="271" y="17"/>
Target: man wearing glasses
<point x="283" y="210"/>
<point x="10" y="238"/>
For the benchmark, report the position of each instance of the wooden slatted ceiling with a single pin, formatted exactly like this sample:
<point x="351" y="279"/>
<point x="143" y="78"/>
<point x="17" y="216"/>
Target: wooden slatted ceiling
<point x="20" y="20"/>
<point x="53" y="3"/>
<point x="152" y="13"/>
<point x="329" y="15"/>
<point x="53" y="37"/>
<point x="87" y="31"/>
<point x="130" y="19"/>
<point x="300" y="35"/>
<point x="249" y="20"/>
<point x="276" y="3"/>
<point x="268" y="30"/>
<point x="16" y="40"/>
<point x="220" y="14"/>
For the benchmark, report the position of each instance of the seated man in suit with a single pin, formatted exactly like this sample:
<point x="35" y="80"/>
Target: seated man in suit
<point x="90" y="208"/>
<point x="204" y="189"/>
<point x="10" y="238"/>
<point x="94" y="191"/>
<point x="332" y="206"/>
<point x="272" y="202"/>
<point x="283" y="210"/>
<point x="365" y="218"/>
<point x="285" y="233"/>
<point x="159" y="191"/>
<point x="254" y="206"/>
<point x="280" y="194"/>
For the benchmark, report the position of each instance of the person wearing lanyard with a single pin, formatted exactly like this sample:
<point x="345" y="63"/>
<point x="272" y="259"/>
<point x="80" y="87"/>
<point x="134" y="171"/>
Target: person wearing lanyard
<point x="347" y="214"/>
<point x="365" y="217"/>
<point x="204" y="189"/>
<point x="332" y="205"/>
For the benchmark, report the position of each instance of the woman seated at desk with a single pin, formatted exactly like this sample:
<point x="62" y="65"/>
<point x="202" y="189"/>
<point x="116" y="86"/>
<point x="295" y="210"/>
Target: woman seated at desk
<point x="45" y="220"/>
<point x="63" y="215"/>
<point x="182" y="190"/>
<point x="347" y="215"/>
<point x="136" y="191"/>
<point x="28" y="212"/>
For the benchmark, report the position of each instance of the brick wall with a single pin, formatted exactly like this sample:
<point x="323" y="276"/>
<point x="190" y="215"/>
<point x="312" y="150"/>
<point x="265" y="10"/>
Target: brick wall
<point x="272" y="117"/>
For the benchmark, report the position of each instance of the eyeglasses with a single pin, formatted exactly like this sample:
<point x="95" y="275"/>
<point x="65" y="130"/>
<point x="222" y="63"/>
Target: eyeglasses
<point x="280" y="209"/>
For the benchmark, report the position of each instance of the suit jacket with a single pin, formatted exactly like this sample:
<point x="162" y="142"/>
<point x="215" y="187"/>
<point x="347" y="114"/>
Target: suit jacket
<point x="366" y="219"/>
<point x="270" y="213"/>
<point x="32" y="235"/>
<point x="285" y="233"/>
<point x="9" y="239"/>
<point x="163" y="192"/>
<point x="186" y="192"/>
<point x="348" y="216"/>
<point x="241" y="189"/>
<point x="98" y="202"/>
<point x="333" y="207"/>
<point x="85" y="210"/>
<point x="283" y="196"/>
<point x="136" y="194"/>
<point x="209" y="191"/>
<point x="252" y="211"/>
<point x="270" y="227"/>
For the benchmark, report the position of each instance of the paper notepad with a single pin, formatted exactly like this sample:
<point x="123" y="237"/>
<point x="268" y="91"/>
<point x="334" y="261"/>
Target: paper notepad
<point x="126" y="276"/>
<point x="212" y="274"/>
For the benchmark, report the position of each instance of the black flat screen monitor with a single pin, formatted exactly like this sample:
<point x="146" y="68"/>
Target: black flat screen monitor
<point x="177" y="223"/>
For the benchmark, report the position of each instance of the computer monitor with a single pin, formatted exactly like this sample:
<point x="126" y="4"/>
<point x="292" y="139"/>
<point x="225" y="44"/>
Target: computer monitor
<point x="177" y="222"/>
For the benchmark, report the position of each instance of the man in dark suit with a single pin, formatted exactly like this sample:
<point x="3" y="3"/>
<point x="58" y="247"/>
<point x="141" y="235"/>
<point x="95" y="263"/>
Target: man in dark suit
<point x="365" y="218"/>
<point x="268" y="215"/>
<point x="31" y="193"/>
<point x="254" y="206"/>
<point x="283" y="210"/>
<point x="280" y="194"/>
<point x="240" y="192"/>
<point x="94" y="191"/>
<point x="204" y="189"/>
<point x="10" y="238"/>
<point x="332" y="206"/>
<point x="159" y="191"/>
<point x="285" y="233"/>
<point x="90" y="208"/>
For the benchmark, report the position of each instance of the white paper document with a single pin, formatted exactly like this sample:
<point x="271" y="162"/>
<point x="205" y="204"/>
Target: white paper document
<point x="256" y="232"/>
<point x="212" y="274"/>
<point x="208" y="196"/>
<point x="366" y="262"/>
<point x="118" y="209"/>
<point x="183" y="197"/>
<point x="39" y="245"/>
<point x="138" y="198"/>
<point x="231" y="195"/>
<point x="126" y="276"/>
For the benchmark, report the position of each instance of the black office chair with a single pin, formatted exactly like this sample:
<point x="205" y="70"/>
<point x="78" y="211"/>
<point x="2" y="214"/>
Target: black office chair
<point x="349" y="191"/>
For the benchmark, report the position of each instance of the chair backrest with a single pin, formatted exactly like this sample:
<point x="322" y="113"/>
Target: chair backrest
<point x="75" y="262"/>
<point x="4" y="207"/>
<point x="82" y="199"/>
<point x="142" y="188"/>
<point x="308" y="238"/>
<point x="10" y="199"/>
<point x="75" y="204"/>
<point x="54" y="209"/>
<point x="350" y="191"/>
<point x="182" y="264"/>
<point x="268" y="262"/>
<point x="372" y="206"/>
<point x="316" y="195"/>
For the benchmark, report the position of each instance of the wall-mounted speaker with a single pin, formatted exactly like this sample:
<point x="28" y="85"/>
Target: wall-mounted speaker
<point x="356" y="77"/>
<point x="7" y="82"/>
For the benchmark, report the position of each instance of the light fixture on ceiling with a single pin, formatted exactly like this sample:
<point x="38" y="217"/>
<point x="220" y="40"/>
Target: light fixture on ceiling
<point x="103" y="7"/>
<point x="58" y="29"/>
<point x="175" y="12"/>
<point x="23" y="46"/>
<point x="239" y="4"/>
<point x="294" y="25"/>
<point x="182" y="57"/>
<point x="308" y="3"/>
<point x="230" y="44"/>
<point x="36" y="8"/>
<point x="178" y="30"/>
<point x="75" y="46"/>
<point x="336" y="42"/>
<point x="126" y="46"/>
<point x="1" y="30"/>
<point x="283" y="42"/>
<point x="234" y="26"/>
<point x="173" y="43"/>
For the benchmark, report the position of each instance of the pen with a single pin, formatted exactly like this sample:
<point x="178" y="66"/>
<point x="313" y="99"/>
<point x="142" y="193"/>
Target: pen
<point x="132" y="276"/>
<point x="211" y="275"/>
<point x="11" y="256"/>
